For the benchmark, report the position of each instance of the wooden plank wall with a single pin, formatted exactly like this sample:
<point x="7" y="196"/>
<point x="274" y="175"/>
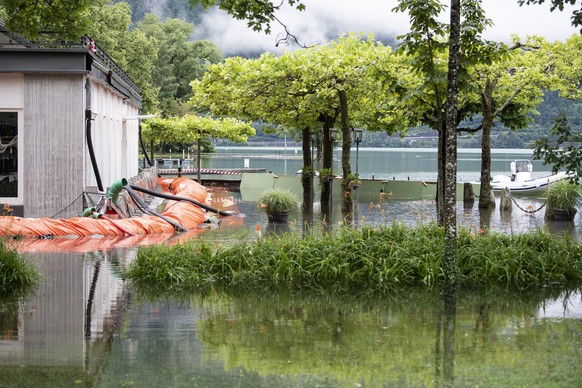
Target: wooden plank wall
<point x="115" y="139"/>
<point x="53" y="130"/>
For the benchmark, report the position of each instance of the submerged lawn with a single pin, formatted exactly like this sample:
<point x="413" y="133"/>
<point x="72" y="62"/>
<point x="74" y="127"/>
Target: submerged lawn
<point x="368" y="258"/>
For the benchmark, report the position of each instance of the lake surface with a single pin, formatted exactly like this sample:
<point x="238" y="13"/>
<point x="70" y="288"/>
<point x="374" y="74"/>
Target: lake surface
<point x="85" y="326"/>
<point x="380" y="163"/>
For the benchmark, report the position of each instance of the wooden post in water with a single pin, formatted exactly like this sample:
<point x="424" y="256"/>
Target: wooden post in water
<point x="505" y="201"/>
<point x="468" y="194"/>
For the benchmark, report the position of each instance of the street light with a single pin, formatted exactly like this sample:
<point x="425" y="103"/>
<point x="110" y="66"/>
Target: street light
<point x="357" y="139"/>
<point x="332" y="134"/>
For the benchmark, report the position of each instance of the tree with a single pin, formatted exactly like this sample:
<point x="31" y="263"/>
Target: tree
<point x="568" y="157"/>
<point x="69" y="19"/>
<point x="191" y="129"/>
<point x="559" y="4"/>
<point x="306" y="90"/>
<point x="427" y="48"/>
<point x="179" y="60"/>
<point x="509" y="89"/>
<point x="129" y="47"/>
<point x="563" y="150"/>
<point x="450" y="264"/>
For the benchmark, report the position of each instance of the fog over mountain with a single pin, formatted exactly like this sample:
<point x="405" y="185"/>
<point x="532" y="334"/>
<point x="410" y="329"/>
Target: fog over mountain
<point x="324" y="20"/>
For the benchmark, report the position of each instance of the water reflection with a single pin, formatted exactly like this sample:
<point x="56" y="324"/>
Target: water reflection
<point x="413" y="338"/>
<point x="63" y="330"/>
<point x="86" y="326"/>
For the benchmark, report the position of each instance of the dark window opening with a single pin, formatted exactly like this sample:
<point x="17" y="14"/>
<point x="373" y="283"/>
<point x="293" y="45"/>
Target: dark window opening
<point x="8" y="154"/>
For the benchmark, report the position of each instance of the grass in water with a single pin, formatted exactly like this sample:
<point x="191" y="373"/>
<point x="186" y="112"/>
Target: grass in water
<point x="372" y="258"/>
<point x="17" y="274"/>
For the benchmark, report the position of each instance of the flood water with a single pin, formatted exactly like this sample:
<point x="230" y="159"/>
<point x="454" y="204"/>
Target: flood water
<point x="84" y="326"/>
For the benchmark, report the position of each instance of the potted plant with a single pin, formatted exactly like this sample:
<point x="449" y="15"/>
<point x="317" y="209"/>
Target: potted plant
<point x="277" y="203"/>
<point x="562" y="199"/>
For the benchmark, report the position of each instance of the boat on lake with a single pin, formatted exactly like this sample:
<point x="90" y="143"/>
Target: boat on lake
<point x="521" y="180"/>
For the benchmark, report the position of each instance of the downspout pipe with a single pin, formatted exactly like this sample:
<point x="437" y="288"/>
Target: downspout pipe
<point x="143" y="148"/>
<point x="88" y="119"/>
<point x="176" y="198"/>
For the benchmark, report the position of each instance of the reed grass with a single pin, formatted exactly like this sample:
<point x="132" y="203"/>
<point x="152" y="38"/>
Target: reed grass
<point x="17" y="274"/>
<point x="375" y="259"/>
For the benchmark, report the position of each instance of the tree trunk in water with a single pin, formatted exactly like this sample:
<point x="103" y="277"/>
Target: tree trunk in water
<point x="326" y="177"/>
<point x="347" y="201"/>
<point x="440" y="194"/>
<point x="487" y="104"/>
<point x="307" y="175"/>
<point x="450" y="264"/>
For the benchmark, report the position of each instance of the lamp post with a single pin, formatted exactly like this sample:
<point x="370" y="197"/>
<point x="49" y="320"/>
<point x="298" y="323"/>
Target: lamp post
<point x="332" y="134"/>
<point x="313" y="144"/>
<point x="357" y="139"/>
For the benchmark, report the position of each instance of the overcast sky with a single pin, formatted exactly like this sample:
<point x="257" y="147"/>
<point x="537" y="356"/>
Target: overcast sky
<point x="326" y="19"/>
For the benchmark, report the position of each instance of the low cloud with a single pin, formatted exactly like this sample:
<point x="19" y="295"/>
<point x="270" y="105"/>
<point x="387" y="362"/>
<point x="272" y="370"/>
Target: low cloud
<point x="326" y="20"/>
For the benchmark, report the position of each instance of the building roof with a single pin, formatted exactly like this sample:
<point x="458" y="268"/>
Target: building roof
<point x="19" y="55"/>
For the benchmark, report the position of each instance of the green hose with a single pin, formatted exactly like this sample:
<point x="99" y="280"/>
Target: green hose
<point x="87" y="212"/>
<point x="115" y="189"/>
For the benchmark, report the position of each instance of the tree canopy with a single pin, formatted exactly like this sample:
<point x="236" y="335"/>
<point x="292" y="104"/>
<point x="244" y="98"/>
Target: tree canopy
<point x="559" y="4"/>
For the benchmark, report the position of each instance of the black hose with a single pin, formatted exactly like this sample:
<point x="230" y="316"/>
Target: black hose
<point x="91" y="151"/>
<point x="145" y="208"/>
<point x="143" y="149"/>
<point x="176" y="198"/>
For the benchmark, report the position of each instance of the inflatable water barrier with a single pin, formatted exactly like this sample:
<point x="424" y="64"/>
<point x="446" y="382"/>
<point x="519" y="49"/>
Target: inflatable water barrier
<point x="185" y="212"/>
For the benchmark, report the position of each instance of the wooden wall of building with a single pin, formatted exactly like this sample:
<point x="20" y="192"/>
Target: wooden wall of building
<point x="57" y="166"/>
<point x="54" y="147"/>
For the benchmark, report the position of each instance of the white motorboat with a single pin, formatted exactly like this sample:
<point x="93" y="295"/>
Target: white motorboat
<point x="521" y="179"/>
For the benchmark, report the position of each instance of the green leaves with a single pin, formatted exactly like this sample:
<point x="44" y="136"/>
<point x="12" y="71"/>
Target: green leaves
<point x="296" y="90"/>
<point x="559" y="4"/>
<point x="190" y="128"/>
<point x="69" y="18"/>
<point x="562" y="150"/>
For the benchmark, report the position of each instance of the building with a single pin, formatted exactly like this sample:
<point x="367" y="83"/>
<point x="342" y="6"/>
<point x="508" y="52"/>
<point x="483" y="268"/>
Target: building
<point x="68" y="125"/>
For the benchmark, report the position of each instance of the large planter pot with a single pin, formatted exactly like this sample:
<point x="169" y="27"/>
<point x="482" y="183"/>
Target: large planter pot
<point x="564" y="214"/>
<point x="278" y="218"/>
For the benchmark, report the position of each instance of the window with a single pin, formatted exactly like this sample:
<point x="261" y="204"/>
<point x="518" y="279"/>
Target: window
<point x="8" y="154"/>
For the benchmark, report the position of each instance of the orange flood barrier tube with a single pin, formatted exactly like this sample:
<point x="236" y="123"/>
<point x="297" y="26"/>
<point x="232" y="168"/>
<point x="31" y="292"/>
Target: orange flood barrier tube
<point x="183" y="213"/>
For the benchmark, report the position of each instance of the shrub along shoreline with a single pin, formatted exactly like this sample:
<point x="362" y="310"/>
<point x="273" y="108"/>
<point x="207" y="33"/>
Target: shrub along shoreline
<point x="375" y="259"/>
